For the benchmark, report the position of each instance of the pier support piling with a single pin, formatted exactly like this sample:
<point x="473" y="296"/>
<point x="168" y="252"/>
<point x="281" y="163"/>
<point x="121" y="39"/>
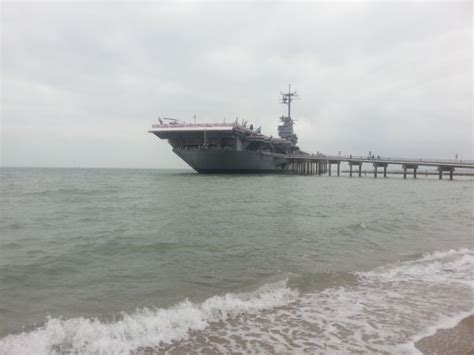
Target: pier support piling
<point x="446" y="168"/>
<point x="376" y="167"/>
<point x="409" y="166"/>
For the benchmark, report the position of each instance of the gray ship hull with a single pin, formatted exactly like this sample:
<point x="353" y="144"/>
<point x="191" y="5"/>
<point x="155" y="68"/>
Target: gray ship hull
<point x="231" y="161"/>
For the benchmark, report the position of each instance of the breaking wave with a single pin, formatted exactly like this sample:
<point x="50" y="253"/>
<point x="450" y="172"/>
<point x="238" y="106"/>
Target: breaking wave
<point x="448" y="266"/>
<point x="148" y="327"/>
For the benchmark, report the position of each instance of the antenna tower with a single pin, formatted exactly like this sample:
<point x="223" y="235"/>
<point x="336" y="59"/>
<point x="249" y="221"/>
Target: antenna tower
<point x="286" y="130"/>
<point x="287" y="98"/>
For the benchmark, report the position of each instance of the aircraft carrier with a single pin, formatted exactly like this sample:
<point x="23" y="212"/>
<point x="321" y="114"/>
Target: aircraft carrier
<point x="232" y="147"/>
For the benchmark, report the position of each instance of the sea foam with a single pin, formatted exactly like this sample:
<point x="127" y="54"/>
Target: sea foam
<point x="386" y="312"/>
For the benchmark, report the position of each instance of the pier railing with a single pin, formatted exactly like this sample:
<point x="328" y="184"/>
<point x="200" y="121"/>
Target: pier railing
<point x="395" y="159"/>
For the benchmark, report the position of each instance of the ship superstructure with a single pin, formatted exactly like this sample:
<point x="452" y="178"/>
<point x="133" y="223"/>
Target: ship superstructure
<point x="231" y="147"/>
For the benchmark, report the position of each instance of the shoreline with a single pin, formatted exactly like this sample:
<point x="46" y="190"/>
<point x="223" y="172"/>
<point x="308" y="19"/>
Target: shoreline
<point x="457" y="340"/>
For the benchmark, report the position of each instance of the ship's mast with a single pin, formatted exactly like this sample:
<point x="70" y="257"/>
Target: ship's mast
<point x="287" y="98"/>
<point x="286" y="129"/>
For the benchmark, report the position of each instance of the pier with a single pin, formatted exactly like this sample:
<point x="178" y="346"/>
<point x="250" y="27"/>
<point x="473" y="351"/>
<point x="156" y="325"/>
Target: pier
<point x="319" y="164"/>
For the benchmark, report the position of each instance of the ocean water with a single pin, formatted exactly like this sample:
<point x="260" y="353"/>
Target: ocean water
<point x="160" y="261"/>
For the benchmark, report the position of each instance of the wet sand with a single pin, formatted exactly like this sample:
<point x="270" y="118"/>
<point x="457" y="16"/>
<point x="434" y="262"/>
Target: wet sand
<point x="455" y="341"/>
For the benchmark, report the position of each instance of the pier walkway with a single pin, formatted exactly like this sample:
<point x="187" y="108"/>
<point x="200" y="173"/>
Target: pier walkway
<point x="322" y="164"/>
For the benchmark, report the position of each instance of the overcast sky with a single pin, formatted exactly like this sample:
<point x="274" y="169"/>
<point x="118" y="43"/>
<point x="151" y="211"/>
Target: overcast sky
<point x="83" y="82"/>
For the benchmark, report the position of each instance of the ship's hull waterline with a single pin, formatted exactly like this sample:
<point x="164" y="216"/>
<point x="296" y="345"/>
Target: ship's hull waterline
<point x="232" y="162"/>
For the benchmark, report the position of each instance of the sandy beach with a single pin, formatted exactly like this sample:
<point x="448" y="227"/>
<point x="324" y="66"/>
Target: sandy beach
<point x="456" y="341"/>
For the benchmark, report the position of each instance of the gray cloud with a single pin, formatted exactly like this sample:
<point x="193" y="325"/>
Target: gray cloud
<point x="82" y="82"/>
